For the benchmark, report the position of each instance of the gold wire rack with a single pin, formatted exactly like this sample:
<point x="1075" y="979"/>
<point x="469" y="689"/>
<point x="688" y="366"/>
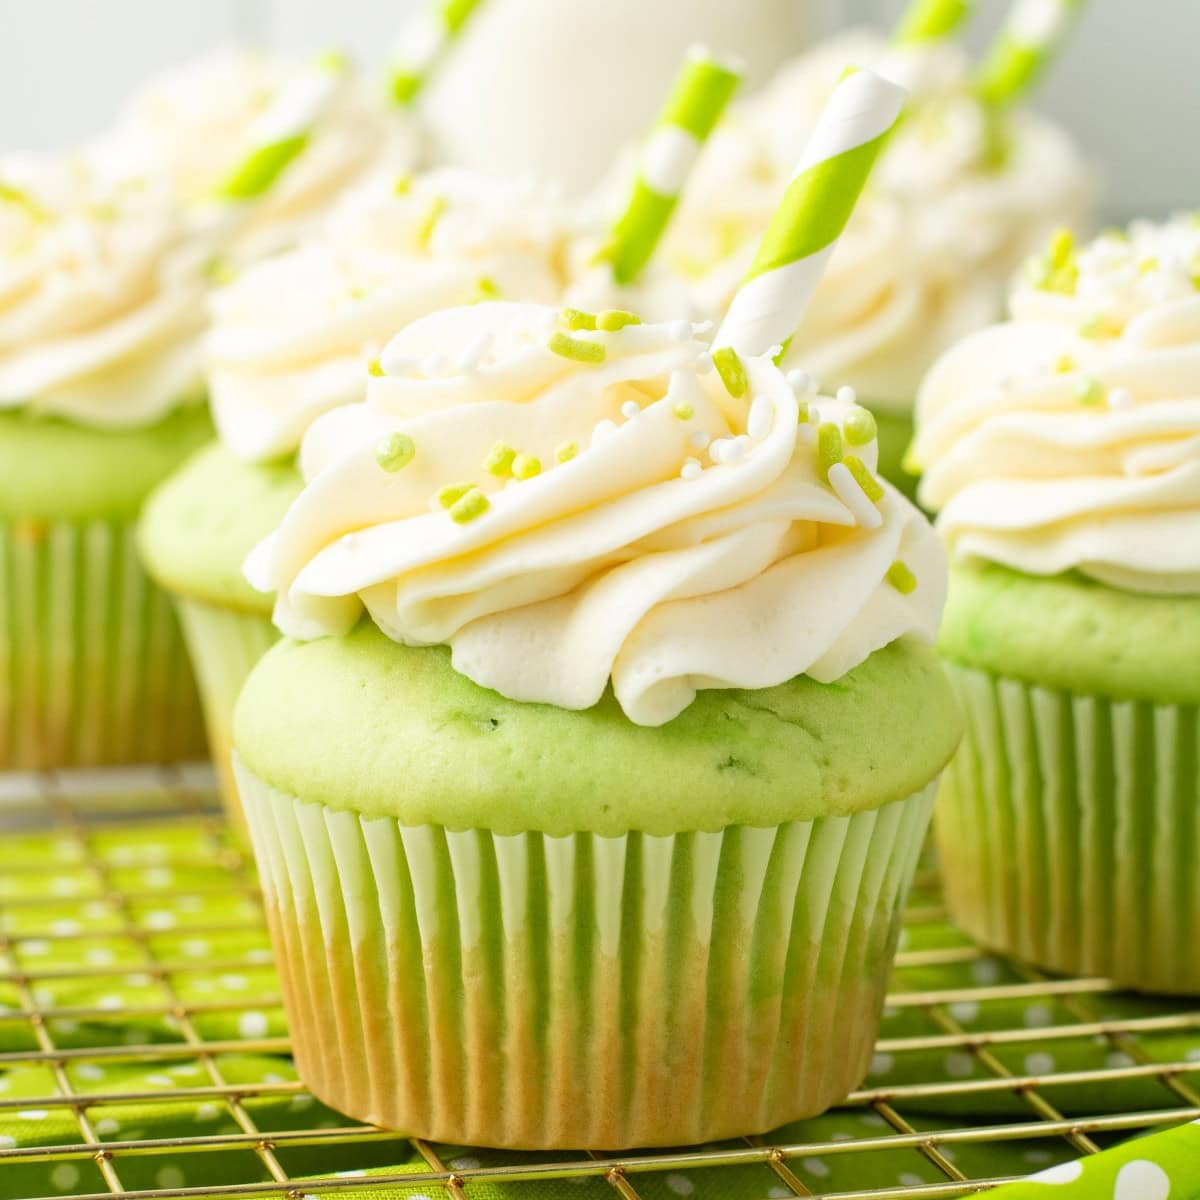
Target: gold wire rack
<point x="90" y="813"/>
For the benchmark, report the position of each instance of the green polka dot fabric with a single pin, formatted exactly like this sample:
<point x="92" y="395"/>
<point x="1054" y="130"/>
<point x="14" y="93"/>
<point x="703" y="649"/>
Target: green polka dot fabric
<point x="139" y="1007"/>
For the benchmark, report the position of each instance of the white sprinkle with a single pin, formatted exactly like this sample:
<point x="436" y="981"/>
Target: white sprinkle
<point x="853" y="497"/>
<point x="434" y="366"/>
<point x="847" y="395"/>
<point x="603" y="429"/>
<point x="758" y="424"/>
<point x="718" y="451"/>
<point x="704" y="364"/>
<point x="1120" y="398"/>
<point x="475" y="353"/>
<point x="775" y="351"/>
<point x="680" y="331"/>
<point x="699" y="438"/>
<point x="691" y="469"/>
<point x="630" y="409"/>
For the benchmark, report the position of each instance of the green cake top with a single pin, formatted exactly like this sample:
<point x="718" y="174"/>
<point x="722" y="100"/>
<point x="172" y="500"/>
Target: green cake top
<point x="1074" y="633"/>
<point x="200" y="525"/>
<point x="364" y="724"/>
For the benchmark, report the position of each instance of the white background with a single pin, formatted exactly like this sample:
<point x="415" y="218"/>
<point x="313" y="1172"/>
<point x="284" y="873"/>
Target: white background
<point x="1129" y="85"/>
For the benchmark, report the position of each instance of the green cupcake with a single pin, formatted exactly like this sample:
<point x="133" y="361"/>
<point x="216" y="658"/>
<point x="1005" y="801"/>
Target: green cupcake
<point x="101" y="312"/>
<point x="293" y="338"/>
<point x="1063" y="452"/>
<point x="610" y="803"/>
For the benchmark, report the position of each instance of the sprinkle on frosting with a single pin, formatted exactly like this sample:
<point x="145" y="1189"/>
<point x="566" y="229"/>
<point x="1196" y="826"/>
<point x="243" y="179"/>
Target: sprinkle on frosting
<point x="1090" y="391"/>
<point x="733" y="373"/>
<point x="576" y="348"/>
<point x="576" y="319"/>
<point x="859" y="426"/>
<point x="395" y="452"/>
<point x="863" y="477"/>
<point x="499" y="460"/>
<point x="526" y="466"/>
<point x="683" y="410"/>
<point x="848" y="490"/>
<point x="829" y="446"/>
<point x="470" y="505"/>
<point x="452" y="493"/>
<point x="900" y="576"/>
<point x="566" y="451"/>
<point x="613" y="319"/>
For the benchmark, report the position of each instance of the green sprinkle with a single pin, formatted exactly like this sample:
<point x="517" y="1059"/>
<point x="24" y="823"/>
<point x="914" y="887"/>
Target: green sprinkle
<point x="567" y="451"/>
<point x="219" y="271"/>
<point x="612" y="319"/>
<point x="1098" y="327"/>
<point x="526" y="466"/>
<point x="22" y="200"/>
<point x="375" y="367"/>
<point x="1062" y="248"/>
<point x="499" y="460"/>
<point x="576" y="319"/>
<point x="452" y="493"/>
<point x="471" y="504"/>
<point x="1147" y="266"/>
<point x="429" y="222"/>
<point x="405" y="85"/>
<point x="334" y="60"/>
<point x="865" y="480"/>
<point x="684" y="411"/>
<point x="576" y="348"/>
<point x="859" y="427"/>
<point x="829" y="447"/>
<point x="1064" y="364"/>
<point x="486" y="289"/>
<point x="261" y="167"/>
<point x="901" y="578"/>
<point x="395" y="451"/>
<point x="1090" y="392"/>
<point x="733" y="374"/>
<point x="802" y="412"/>
<point x="402" y="186"/>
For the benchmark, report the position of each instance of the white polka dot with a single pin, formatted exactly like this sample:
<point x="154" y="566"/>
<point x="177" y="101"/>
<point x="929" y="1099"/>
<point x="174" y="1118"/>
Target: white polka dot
<point x="1118" y="1059"/>
<point x="873" y="1119"/>
<point x="681" y="1185"/>
<point x="62" y="885"/>
<point x="160" y="919"/>
<point x="1193" y="1055"/>
<point x="89" y="1071"/>
<point x="111" y="1003"/>
<point x="985" y="971"/>
<point x="7" y="1141"/>
<point x="107" y="1126"/>
<point x="300" y="1102"/>
<point x="100" y="957"/>
<point x="358" y="1173"/>
<point x="66" y="1027"/>
<point x="1142" y="1180"/>
<point x="195" y="948"/>
<point x="1039" y="1063"/>
<point x="35" y="947"/>
<point x="1038" y="1016"/>
<point x="208" y="1112"/>
<point x="911" y="1179"/>
<point x="262" y="955"/>
<point x="97" y="910"/>
<point x="253" y="1024"/>
<point x="33" y="1114"/>
<point x="158" y="877"/>
<point x="160" y="1080"/>
<point x="966" y="1011"/>
<point x="780" y="1193"/>
<point x="65" y="928"/>
<point x="882" y="1064"/>
<point x="815" y="1166"/>
<point x="840" y="1136"/>
<point x="64" y="1177"/>
<point x="466" y="1163"/>
<point x="1066" y="1172"/>
<point x="959" y="1065"/>
<point x="1037" y="1156"/>
<point x="234" y="983"/>
<point x="170" y="1177"/>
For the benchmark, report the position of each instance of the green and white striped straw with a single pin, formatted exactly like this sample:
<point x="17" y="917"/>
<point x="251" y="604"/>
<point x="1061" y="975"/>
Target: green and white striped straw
<point x="283" y="132"/>
<point x="804" y="231"/>
<point x="927" y="21"/>
<point x="1030" y="38"/>
<point x="424" y="44"/>
<point x="703" y="87"/>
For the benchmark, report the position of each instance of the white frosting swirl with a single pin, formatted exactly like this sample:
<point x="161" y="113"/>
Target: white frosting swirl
<point x="1069" y="438"/>
<point x="292" y="336"/>
<point x="690" y="543"/>
<point x="193" y="122"/>
<point x="929" y="250"/>
<point x="101" y="294"/>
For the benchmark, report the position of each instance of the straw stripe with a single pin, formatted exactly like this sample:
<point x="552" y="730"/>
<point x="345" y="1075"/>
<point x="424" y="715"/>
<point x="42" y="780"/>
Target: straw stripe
<point x="283" y="132"/>
<point x="423" y="45"/>
<point x="804" y="231"/>
<point x="931" y="21"/>
<point x="1033" y="34"/>
<point x="702" y="89"/>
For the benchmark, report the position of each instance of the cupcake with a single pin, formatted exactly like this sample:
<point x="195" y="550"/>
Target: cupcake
<point x="1062" y="450"/>
<point x="927" y="257"/>
<point x="101" y="316"/>
<point x="595" y="763"/>
<point x="294" y="337"/>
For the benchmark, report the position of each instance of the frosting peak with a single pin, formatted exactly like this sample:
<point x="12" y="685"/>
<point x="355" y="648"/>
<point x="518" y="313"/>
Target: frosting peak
<point x="569" y="499"/>
<point x="1069" y="438"/>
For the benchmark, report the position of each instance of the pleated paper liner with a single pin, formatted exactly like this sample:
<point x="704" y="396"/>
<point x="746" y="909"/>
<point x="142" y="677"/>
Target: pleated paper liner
<point x="539" y="992"/>
<point x="225" y="645"/>
<point x="93" y="666"/>
<point x="1069" y="832"/>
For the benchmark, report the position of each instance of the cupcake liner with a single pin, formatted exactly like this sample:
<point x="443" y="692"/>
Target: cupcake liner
<point x="225" y="645"/>
<point x="95" y="671"/>
<point x="544" y="992"/>
<point x="1069" y="831"/>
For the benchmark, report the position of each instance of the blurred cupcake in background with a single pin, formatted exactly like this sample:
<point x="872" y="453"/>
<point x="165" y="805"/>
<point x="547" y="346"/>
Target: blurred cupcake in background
<point x="968" y="185"/>
<point x="101" y="397"/>
<point x="1062" y="451"/>
<point x="296" y="336"/>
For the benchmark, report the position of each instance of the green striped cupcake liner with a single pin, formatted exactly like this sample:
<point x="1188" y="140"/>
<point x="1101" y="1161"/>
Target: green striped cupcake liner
<point x="95" y="671"/>
<point x="542" y="992"/>
<point x="1069" y="831"/>
<point x="225" y="644"/>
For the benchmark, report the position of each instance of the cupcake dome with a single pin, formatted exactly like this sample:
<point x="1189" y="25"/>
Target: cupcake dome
<point x="1063" y="452"/>
<point x="623" y="683"/>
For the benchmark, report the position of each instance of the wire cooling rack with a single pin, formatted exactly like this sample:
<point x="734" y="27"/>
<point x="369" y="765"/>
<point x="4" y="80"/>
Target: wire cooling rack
<point x="988" y="1036"/>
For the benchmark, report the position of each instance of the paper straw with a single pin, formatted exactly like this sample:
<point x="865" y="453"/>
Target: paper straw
<point x="424" y="44"/>
<point x="804" y="231"/>
<point x="1030" y="38"/>
<point x="928" y="21"/>
<point x="283" y="132"/>
<point x="703" y="87"/>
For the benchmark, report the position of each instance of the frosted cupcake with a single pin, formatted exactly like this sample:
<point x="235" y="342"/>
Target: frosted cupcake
<point x="1063" y="452"/>
<point x="598" y="757"/>
<point x="961" y="196"/>
<point x="101" y="316"/>
<point x="296" y="336"/>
